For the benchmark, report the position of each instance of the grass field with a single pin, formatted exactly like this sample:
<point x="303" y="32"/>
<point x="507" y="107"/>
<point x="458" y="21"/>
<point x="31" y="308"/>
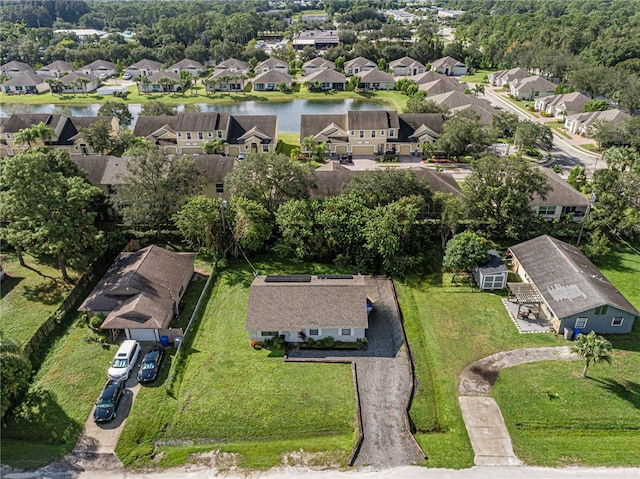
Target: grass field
<point x="28" y="296"/>
<point x="241" y="400"/>
<point x="480" y="76"/>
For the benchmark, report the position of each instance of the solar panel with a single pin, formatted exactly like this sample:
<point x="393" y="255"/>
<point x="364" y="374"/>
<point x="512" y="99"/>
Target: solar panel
<point x="335" y="276"/>
<point x="288" y="278"/>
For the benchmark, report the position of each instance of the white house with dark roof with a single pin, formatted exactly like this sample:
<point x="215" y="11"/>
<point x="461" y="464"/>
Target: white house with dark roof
<point x="505" y="77"/>
<point x="25" y="84"/>
<point x="449" y="66"/>
<point x="316" y="65"/>
<point x="531" y="87"/>
<point x="270" y="79"/>
<point x="232" y="81"/>
<point x="56" y="69"/>
<point x="358" y="66"/>
<point x="406" y="66"/>
<point x="272" y="64"/>
<point x="326" y="80"/>
<point x="304" y="306"/>
<point x="144" y="67"/>
<point x="376" y="80"/>
<point x="15" y="68"/>
<point x="160" y="82"/>
<point x="99" y="67"/>
<point x="561" y="201"/>
<point x="193" y="67"/>
<point x="233" y="65"/>
<point x="141" y="292"/>
<point x="78" y="82"/>
<point x="559" y="106"/>
<point x="573" y="292"/>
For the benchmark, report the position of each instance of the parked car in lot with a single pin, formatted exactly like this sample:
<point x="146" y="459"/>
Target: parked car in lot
<point x="108" y="401"/>
<point x="103" y="76"/>
<point x="124" y="360"/>
<point x="126" y="76"/>
<point x="150" y="365"/>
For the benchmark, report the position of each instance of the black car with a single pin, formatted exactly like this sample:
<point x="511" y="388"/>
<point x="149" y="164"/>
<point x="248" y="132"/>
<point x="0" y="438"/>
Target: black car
<point x="150" y="366"/>
<point x="108" y="401"/>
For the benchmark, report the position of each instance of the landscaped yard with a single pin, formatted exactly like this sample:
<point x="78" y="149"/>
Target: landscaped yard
<point x="29" y="296"/>
<point x="241" y="400"/>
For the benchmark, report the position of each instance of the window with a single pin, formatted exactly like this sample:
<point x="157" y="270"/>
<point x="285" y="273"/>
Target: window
<point x="219" y="134"/>
<point x="210" y="134"/>
<point x="179" y="135"/>
<point x="352" y="133"/>
<point x="581" y="322"/>
<point x="265" y="148"/>
<point x="547" y="210"/>
<point x="361" y="134"/>
<point x="381" y="132"/>
<point x="268" y="333"/>
<point x="373" y="134"/>
<point x="188" y="135"/>
<point x="200" y="136"/>
<point x="314" y="332"/>
<point x="8" y="136"/>
<point x="392" y="133"/>
<point x="219" y="187"/>
<point x="601" y="309"/>
<point x="345" y="331"/>
<point x="617" y="321"/>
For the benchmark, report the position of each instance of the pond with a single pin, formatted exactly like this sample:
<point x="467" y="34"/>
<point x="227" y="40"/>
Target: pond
<point x="288" y="112"/>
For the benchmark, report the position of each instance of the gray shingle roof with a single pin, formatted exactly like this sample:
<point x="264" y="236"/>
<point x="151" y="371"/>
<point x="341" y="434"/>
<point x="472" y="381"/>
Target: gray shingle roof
<point x="321" y="303"/>
<point x="568" y="281"/>
<point x="561" y="193"/>
<point x="372" y="119"/>
<point x="202" y="121"/>
<point x="241" y="124"/>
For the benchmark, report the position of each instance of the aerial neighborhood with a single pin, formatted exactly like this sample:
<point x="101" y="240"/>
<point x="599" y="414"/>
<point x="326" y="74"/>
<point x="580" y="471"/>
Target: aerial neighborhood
<point x="319" y="235"/>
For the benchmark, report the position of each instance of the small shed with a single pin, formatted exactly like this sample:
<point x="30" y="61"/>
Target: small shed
<point x="493" y="274"/>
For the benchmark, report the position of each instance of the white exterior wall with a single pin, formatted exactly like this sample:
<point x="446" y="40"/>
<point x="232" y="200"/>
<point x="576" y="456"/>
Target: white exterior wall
<point x="293" y="336"/>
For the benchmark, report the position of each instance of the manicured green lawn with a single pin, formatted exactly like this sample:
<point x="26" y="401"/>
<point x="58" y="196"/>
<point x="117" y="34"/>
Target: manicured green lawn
<point x="47" y="424"/>
<point x="448" y="328"/>
<point x="238" y="399"/>
<point x="28" y="296"/>
<point x="622" y="267"/>
<point x="480" y="76"/>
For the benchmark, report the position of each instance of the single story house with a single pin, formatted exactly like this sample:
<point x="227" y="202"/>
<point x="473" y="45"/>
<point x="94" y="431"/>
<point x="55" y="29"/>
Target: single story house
<point x="561" y="200"/>
<point x="317" y="64"/>
<point x="559" y="106"/>
<point x="233" y="65"/>
<point x="56" y="69"/>
<point x="193" y="67"/>
<point x="573" y="292"/>
<point x="15" y="68"/>
<point x="376" y="80"/>
<point x="449" y="66"/>
<point x="76" y="82"/>
<point x="406" y="66"/>
<point x="582" y="123"/>
<point x="99" y="67"/>
<point x="505" y="77"/>
<point x="141" y="292"/>
<point x="326" y="80"/>
<point x="226" y="81"/>
<point x="441" y="85"/>
<point x="456" y="100"/>
<point x="358" y="66"/>
<point x="144" y="68"/>
<point x="25" y="84"/>
<point x="160" y="82"/>
<point x="531" y="87"/>
<point x="272" y="64"/>
<point x="270" y="79"/>
<point x="493" y="274"/>
<point x="306" y="306"/>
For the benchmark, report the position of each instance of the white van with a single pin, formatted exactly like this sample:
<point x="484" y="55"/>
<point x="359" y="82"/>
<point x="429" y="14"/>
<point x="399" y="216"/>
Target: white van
<point x="125" y="360"/>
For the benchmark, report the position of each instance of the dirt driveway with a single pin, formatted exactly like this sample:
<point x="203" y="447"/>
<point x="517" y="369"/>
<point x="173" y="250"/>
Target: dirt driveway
<point x="384" y="383"/>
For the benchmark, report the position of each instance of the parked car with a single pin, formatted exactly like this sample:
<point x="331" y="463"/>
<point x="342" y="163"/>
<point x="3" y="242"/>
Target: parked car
<point x="103" y="76"/>
<point x="150" y="365"/>
<point x="124" y="360"/>
<point x="108" y="401"/>
<point x="126" y="76"/>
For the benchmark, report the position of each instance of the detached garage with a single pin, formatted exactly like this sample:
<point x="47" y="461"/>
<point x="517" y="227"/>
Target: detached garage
<point x="493" y="274"/>
<point x="141" y="292"/>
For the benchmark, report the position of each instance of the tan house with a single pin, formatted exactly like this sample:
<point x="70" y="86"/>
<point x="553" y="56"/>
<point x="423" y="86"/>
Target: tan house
<point x="270" y="80"/>
<point x="141" y="292"/>
<point x="441" y="85"/>
<point x="370" y="133"/>
<point x="449" y="66"/>
<point x="456" y="101"/>
<point x="376" y="80"/>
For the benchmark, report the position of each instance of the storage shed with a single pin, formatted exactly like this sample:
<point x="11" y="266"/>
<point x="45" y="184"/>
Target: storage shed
<point x="493" y="274"/>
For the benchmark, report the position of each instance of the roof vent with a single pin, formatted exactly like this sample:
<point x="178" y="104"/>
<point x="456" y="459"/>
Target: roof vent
<point x="288" y="278"/>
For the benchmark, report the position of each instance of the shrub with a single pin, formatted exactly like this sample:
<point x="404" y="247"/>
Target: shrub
<point x="96" y="321"/>
<point x="328" y="342"/>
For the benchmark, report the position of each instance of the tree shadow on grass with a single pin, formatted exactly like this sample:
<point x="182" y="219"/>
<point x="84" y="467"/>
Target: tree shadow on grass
<point x="51" y="291"/>
<point x="8" y="283"/>
<point x="627" y="390"/>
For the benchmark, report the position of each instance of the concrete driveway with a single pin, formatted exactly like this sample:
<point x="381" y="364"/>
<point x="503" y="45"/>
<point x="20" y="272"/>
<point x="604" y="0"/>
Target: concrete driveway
<point x="384" y="382"/>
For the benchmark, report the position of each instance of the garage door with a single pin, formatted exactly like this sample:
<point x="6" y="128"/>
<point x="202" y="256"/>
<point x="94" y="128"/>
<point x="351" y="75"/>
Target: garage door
<point x="363" y="150"/>
<point x="142" y="334"/>
<point x="341" y="148"/>
<point x="405" y="150"/>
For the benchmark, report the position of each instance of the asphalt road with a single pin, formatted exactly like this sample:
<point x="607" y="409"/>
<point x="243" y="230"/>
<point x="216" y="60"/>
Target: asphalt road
<point x="564" y="154"/>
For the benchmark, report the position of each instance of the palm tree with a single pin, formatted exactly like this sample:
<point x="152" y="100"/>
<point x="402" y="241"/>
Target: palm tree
<point x="82" y="82"/>
<point x="307" y="145"/>
<point x="44" y="132"/>
<point x="478" y="89"/>
<point x="166" y="83"/>
<point x="55" y="85"/>
<point x="25" y="136"/>
<point x="592" y="348"/>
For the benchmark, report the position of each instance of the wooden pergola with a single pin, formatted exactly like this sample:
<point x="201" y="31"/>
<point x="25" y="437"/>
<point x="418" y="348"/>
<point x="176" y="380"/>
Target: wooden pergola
<point x="527" y="297"/>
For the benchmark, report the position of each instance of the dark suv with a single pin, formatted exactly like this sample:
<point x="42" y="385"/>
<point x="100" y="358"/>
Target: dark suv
<point x="150" y="366"/>
<point x="108" y="401"/>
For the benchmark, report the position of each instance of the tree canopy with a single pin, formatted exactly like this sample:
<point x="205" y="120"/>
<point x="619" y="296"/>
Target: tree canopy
<point x="465" y="251"/>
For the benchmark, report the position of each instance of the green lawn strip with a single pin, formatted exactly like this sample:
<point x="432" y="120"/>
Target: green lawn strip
<point x="479" y="76"/>
<point x="190" y="300"/>
<point x="458" y="327"/>
<point x="59" y="401"/>
<point x="622" y="267"/>
<point x="592" y="421"/>
<point x="287" y="142"/>
<point x="231" y="393"/>
<point x="29" y="296"/>
<point x="559" y="129"/>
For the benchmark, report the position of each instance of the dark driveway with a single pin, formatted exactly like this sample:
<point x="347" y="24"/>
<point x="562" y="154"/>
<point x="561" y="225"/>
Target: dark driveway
<point x="384" y="383"/>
